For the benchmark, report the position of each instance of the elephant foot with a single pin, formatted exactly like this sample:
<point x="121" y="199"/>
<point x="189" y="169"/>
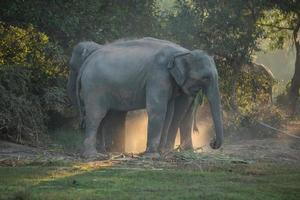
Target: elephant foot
<point x="102" y="150"/>
<point x="151" y="155"/>
<point x="165" y="150"/>
<point x="215" y="144"/>
<point x="93" y="156"/>
<point x="187" y="147"/>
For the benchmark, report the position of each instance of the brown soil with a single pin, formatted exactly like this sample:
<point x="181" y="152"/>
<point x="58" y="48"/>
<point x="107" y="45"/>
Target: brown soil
<point x="278" y="148"/>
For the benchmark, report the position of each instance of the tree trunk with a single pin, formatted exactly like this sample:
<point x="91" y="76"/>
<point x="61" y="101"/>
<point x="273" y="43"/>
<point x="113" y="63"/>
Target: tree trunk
<point x="233" y="98"/>
<point x="234" y="86"/>
<point x="295" y="83"/>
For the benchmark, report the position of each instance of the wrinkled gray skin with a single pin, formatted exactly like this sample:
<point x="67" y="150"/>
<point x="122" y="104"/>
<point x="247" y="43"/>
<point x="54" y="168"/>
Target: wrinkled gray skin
<point x="143" y="73"/>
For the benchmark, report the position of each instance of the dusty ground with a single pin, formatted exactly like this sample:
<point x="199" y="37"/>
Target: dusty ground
<point x="278" y="148"/>
<point x="275" y="147"/>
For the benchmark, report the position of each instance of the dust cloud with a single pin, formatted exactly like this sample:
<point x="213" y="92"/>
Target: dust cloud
<point x="136" y="131"/>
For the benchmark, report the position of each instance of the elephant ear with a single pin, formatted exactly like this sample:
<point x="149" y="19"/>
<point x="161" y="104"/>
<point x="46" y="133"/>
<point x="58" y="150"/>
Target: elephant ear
<point x="178" y="67"/>
<point x="84" y="53"/>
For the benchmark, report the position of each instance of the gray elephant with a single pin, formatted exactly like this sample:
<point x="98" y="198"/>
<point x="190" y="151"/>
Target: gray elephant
<point x="142" y="73"/>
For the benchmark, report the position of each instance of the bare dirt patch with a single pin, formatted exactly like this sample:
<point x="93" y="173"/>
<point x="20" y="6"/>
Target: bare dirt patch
<point x="279" y="148"/>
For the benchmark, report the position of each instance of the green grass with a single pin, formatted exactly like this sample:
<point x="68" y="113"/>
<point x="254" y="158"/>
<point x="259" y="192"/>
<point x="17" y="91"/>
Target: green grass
<point x="253" y="181"/>
<point x="68" y="140"/>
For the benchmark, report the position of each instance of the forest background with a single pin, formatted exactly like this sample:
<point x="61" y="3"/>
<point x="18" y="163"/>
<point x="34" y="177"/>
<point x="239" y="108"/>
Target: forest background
<point x="37" y="38"/>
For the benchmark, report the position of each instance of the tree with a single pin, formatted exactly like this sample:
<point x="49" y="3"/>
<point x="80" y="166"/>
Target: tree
<point x="30" y="70"/>
<point x="226" y="28"/>
<point x="281" y="23"/>
<point x="70" y="21"/>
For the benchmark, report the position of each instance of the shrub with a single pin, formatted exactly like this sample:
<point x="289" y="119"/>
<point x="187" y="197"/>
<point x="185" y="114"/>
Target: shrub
<point x="32" y="82"/>
<point x="21" y="115"/>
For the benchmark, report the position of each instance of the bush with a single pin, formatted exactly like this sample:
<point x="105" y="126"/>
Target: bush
<point x="26" y="108"/>
<point x="21" y="115"/>
<point x="249" y="124"/>
<point x="32" y="82"/>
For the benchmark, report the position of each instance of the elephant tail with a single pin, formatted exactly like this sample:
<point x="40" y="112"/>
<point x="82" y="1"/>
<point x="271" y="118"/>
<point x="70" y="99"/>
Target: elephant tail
<point x="80" y="103"/>
<point x="73" y="89"/>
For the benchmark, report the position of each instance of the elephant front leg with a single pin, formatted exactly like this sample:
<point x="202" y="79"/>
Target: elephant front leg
<point x="172" y="132"/>
<point x="181" y="107"/>
<point x="167" y="126"/>
<point x="156" y="116"/>
<point x="155" y="126"/>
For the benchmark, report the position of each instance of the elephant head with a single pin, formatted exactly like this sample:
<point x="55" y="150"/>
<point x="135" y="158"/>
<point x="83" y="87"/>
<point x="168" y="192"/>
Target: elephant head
<point x="194" y="71"/>
<point x="80" y="52"/>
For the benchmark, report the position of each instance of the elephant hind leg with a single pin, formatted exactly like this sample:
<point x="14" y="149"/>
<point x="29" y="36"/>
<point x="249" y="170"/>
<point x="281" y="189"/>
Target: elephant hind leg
<point x="112" y="132"/>
<point x="94" y="116"/>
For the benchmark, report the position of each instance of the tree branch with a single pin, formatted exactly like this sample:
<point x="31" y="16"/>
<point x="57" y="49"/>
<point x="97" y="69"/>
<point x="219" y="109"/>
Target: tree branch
<point x="274" y="26"/>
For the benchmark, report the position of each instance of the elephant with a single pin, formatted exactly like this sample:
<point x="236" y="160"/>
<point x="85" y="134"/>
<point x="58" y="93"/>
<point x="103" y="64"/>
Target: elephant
<point x="144" y="73"/>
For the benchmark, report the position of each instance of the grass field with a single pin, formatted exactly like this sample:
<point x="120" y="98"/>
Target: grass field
<point x="97" y="181"/>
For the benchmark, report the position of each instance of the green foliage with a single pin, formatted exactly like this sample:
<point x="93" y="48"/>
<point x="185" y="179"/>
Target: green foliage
<point x="31" y="49"/>
<point x="70" y="21"/>
<point x="55" y="99"/>
<point x="254" y="89"/>
<point x="278" y="29"/>
<point x="21" y="116"/>
<point x="30" y="83"/>
<point x="218" y="27"/>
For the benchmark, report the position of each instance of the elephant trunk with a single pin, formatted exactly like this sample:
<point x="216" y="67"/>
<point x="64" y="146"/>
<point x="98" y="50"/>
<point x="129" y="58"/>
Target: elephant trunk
<point x="213" y="97"/>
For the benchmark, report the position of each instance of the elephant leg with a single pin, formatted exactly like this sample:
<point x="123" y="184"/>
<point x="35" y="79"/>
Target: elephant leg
<point x="157" y="107"/>
<point x="172" y="132"/>
<point x="101" y="143"/>
<point x="181" y="107"/>
<point x="94" y="116"/>
<point x="186" y="128"/>
<point x="113" y="128"/>
<point x="155" y="126"/>
<point x="167" y="124"/>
